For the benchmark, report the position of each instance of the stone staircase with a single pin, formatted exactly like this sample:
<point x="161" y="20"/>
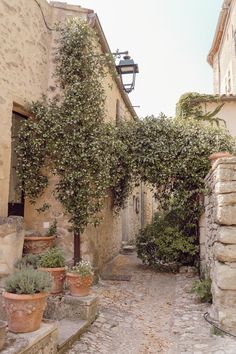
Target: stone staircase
<point x="65" y="319"/>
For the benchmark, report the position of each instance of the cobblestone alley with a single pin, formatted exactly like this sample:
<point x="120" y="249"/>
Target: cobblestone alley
<point x="152" y="313"/>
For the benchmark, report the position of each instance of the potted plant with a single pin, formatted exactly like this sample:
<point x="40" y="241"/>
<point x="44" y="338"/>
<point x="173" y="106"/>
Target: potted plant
<point x="25" y="296"/>
<point x="37" y="243"/>
<point x="53" y="261"/>
<point x="80" y="278"/>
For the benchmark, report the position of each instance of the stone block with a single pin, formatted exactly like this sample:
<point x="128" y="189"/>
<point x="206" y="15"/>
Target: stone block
<point x="226" y="215"/>
<point x="226" y="199"/>
<point x="225" y="253"/>
<point x="224" y="276"/>
<point x="226" y="172"/>
<point x="226" y="234"/>
<point x="225" y="187"/>
<point x="72" y="307"/>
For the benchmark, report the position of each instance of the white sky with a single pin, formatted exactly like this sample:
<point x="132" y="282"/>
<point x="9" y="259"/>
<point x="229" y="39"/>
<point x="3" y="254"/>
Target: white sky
<point x="169" y="39"/>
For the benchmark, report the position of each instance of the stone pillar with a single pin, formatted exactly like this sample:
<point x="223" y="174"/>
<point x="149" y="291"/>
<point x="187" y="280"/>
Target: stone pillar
<point x="220" y="241"/>
<point x="11" y="239"/>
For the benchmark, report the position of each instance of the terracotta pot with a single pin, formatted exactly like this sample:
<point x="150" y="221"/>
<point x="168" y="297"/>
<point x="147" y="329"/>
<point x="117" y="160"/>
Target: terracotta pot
<point x="217" y="155"/>
<point x="3" y="326"/>
<point x="79" y="286"/>
<point x="58" y="276"/>
<point x="24" y="312"/>
<point x="37" y="244"/>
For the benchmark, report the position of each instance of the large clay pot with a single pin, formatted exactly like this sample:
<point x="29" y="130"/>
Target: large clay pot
<point x="37" y="244"/>
<point x="24" y="312"/>
<point x="3" y="326"/>
<point x="58" y="276"/>
<point x="217" y="155"/>
<point x="79" y="286"/>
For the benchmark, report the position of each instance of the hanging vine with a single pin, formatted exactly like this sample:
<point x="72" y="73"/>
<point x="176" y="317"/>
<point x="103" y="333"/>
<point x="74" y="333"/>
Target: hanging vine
<point x="67" y="134"/>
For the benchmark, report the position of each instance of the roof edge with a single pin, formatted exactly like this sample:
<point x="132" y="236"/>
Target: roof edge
<point x="94" y="21"/>
<point x="219" y="30"/>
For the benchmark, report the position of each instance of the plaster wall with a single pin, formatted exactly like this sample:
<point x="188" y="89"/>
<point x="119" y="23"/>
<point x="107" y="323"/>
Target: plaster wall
<point x="227" y="113"/>
<point x="224" y="61"/>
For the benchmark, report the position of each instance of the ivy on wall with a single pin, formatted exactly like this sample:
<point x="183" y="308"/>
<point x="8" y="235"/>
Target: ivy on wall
<point x="193" y="104"/>
<point x="67" y="135"/>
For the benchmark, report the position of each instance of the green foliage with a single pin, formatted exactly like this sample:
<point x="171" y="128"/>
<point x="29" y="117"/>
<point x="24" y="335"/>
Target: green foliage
<point x="203" y="289"/>
<point x="52" y="229"/>
<point x="52" y="258"/>
<point x="163" y="241"/>
<point x="191" y="105"/>
<point x="83" y="268"/>
<point x="27" y="261"/>
<point x="28" y="281"/>
<point x="67" y="135"/>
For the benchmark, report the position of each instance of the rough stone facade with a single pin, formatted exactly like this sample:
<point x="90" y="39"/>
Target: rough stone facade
<point x="26" y="72"/>
<point x="220" y="238"/>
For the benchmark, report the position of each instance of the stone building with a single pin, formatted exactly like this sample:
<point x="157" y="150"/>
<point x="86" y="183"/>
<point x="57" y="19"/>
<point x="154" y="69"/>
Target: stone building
<point x="26" y="72"/>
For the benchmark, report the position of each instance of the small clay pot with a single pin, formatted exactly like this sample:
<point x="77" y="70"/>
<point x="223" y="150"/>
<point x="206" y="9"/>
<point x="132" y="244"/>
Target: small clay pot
<point x="37" y="244"/>
<point x="3" y="326"/>
<point x="58" y="276"/>
<point x="24" y="312"/>
<point x="79" y="286"/>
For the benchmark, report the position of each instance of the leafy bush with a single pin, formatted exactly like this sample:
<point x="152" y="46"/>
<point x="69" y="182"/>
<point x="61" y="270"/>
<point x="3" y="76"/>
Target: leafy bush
<point x="52" y="258"/>
<point x="28" y="281"/>
<point x="162" y="241"/>
<point x="203" y="289"/>
<point x="28" y="260"/>
<point x="83" y="268"/>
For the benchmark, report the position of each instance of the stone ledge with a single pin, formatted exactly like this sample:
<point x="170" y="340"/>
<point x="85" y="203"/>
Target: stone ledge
<point x="42" y="341"/>
<point x="72" y="307"/>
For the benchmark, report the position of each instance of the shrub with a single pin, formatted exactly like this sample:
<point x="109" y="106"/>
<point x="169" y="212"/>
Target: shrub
<point x="28" y="281"/>
<point x="162" y="241"/>
<point x="203" y="289"/>
<point x="52" y="258"/>
<point x="83" y="268"/>
<point x="27" y="261"/>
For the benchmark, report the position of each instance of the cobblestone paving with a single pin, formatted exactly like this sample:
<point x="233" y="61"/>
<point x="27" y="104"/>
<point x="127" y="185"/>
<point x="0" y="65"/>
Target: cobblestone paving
<point x="153" y="313"/>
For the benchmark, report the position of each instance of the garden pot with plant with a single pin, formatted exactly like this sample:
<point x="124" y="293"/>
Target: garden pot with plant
<point x="25" y="297"/>
<point x="37" y="243"/>
<point x="53" y="262"/>
<point x="80" y="278"/>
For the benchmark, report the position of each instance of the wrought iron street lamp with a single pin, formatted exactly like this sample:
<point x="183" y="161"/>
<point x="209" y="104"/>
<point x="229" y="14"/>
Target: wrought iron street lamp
<point x="127" y="71"/>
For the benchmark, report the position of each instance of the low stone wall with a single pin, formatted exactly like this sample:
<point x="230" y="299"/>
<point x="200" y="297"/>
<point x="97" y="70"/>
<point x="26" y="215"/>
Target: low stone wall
<point x="11" y="239"/>
<point x="220" y="239"/>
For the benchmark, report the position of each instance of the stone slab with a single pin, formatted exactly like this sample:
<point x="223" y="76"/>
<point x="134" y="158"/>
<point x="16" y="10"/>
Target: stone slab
<point x="42" y="341"/>
<point x="225" y="187"/>
<point x="69" y="332"/>
<point x="72" y="308"/>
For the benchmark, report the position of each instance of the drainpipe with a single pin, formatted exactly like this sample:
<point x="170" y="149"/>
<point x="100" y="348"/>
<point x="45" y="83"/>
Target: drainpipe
<point x="76" y="247"/>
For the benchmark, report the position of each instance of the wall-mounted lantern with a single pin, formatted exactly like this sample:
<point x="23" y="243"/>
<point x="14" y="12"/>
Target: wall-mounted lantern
<point x="127" y="71"/>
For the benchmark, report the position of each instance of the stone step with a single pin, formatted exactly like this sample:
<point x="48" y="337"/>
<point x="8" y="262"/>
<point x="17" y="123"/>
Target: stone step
<point x="68" y="332"/>
<point x="127" y="249"/>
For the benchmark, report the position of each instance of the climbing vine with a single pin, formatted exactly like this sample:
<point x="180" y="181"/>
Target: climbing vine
<point x="67" y="136"/>
<point x="193" y="104"/>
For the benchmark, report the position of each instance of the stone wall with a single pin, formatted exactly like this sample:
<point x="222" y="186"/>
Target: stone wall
<point x="26" y="72"/>
<point x="220" y="240"/>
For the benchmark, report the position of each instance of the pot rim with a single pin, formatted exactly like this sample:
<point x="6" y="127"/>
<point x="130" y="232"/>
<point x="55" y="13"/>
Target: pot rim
<point x="220" y="154"/>
<point x="39" y="238"/>
<point x="70" y="274"/>
<point x="13" y="296"/>
<point x="56" y="269"/>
